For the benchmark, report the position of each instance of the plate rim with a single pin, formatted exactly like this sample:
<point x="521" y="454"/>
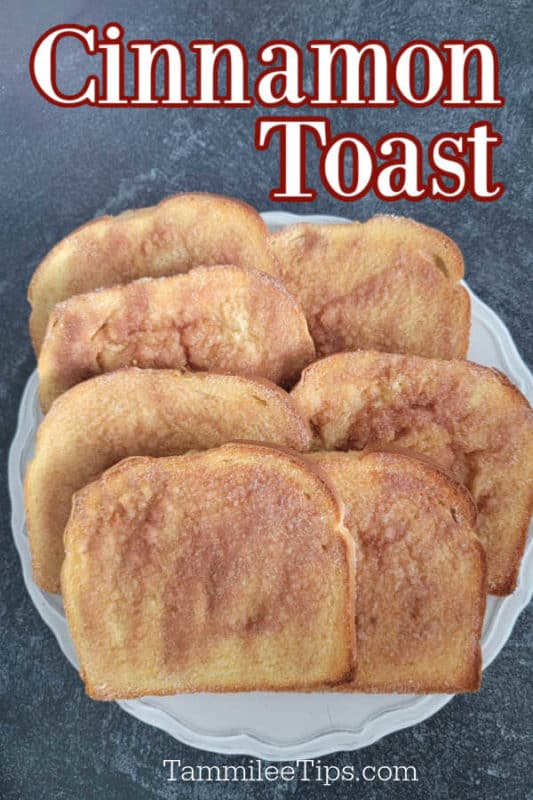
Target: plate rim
<point x="382" y="723"/>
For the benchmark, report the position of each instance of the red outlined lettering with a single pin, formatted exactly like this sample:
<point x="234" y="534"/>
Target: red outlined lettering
<point x="326" y="55"/>
<point x="208" y="56"/>
<point x="447" y="165"/>
<point x="112" y="67"/>
<point x="461" y="163"/>
<point x="292" y="150"/>
<point x="482" y="140"/>
<point x="333" y="167"/>
<point x="404" y="74"/>
<point x="146" y="56"/>
<point x="399" y="173"/>
<point x="43" y="65"/>
<point x="289" y="74"/>
<point x="460" y="56"/>
<point x="401" y="177"/>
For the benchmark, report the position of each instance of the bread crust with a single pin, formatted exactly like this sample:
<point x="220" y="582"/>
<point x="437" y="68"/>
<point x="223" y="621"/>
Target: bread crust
<point x="432" y="469"/>
<point x="181" y="232"/>
<point x="212" y="318"/>
<point x="99" y="619"/>
<point x="388" y="284"/>
<point x="418" y="623"/>
<point x="467" y="418"/>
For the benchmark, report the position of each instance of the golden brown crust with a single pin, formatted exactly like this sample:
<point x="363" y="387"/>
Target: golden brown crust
<point x="213" y="318"/>
<point x="467" y="418"/>
<point x="421" y="576"/>
<point x="388" y="284"/>
<point x="464" y="321"/>
<point x="228" y="570"/>
<point x="427" y="466"/>
<point x="181" y="232"/>
<point x="443" y="247"/>
<point x="140" y="412"/>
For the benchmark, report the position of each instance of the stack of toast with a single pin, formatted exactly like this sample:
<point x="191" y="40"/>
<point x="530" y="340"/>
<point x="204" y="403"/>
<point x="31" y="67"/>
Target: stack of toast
<point x="264" y="462"/>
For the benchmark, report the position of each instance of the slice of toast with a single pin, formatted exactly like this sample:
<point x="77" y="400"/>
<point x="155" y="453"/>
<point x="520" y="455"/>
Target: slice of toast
<point x="469" y="419"/>
<point x="140" y="412"/>
<point x="388" y="284"/>
<point x="184" y="231"/>
<point x="228" y="570"/>
<point x="421" y="574"/>
<point x="213" y="318"/>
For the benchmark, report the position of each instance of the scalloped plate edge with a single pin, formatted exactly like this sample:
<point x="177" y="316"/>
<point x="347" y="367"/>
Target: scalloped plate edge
<point x="404" y="714"/>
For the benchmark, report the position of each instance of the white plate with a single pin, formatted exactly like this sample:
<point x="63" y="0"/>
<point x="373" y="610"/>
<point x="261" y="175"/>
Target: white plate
<point x="285" y="726"/>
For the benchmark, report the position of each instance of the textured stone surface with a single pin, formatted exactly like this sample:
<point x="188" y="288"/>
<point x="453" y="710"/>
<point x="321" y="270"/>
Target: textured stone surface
<point x="60" y="168"/>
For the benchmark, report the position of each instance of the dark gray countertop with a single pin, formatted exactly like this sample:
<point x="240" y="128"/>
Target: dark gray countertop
<point x="61" y="167"/>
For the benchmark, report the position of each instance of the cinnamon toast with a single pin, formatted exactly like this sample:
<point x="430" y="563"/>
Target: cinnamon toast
<point x="212" y="318"/>
<point x="228" y="570"/>
<point x="387" y="284"/>
<point x="467" y="418"/>
<point x="140" y="412"/>
<point x="421" y="574"/>
<point x="182" y="232"/>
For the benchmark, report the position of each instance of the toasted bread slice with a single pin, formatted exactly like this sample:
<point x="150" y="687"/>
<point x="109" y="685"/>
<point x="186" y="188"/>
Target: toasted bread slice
<point x="469" y="419"/>
<point x="140" y="412"/>
<point x="421" y="574"/>
<point x="387" y="284"/>
<point x="184" y="231"/>
<point x="228" y="570"/>
<point x="213" y="318"/>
